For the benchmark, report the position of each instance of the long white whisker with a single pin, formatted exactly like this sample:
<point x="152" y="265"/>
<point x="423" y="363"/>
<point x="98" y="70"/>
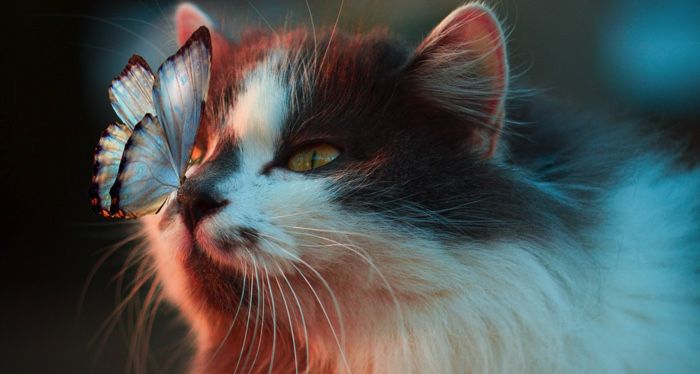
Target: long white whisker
<point x="263" y="18"/>
<point x="163" y="31"/>
<point x="116" y="25"/>
<point x="233" y="321"/>
<point x="301" y="314"/>
<point x="258" y="316"/>
<point x="323" y="309"/>
<point x="328" y="231"/>
<point x="293" y="214"/>
<point x="367" y="258"/>
<point x="110" y="251"/>
<point x="247" y="321"/>
<point x="330" y="38"/>
<point x="274" y="320"/>
<point x="313" y="29"/>
<point x="113" y="317"/>
<point x="289" y="318"/>
<point x="136" y="356"/>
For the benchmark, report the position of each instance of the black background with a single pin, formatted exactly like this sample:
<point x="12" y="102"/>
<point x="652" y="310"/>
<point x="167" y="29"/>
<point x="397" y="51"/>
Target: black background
<point x="51" y="239"/>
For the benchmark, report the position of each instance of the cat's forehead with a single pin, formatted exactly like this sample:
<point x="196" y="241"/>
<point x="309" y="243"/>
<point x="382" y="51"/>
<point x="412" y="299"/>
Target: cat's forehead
<point x="271" y="89"/>
<point x="262" y="104"/>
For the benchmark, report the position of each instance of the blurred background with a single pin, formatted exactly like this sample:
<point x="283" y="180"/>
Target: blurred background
<point x="632" y="57"/>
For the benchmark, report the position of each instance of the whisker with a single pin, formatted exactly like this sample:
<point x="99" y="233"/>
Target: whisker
<point x="247" y="322"/>
<point x="139" y="339"/>
<point x="293" y="214"/>
<point x="330" y="38"/>
<point x="113" y="52"/>
<point x="313" y="29"/>
<point x="301" y="314"/>
<point x="149" y="328"/>
<point x="113" y="319"/>
<point x="289" y="318"/>
<point x="274" y="320"/>
<point x="313" y="290"/>
<point x="165" y="32"/>
<point x="330" y="231"/>
<point x="233" y="321"/>
<point x="263" y="18"/>
<point x="113" y="24"/>
<point x="259" y="315"/>
<point x="88" y="281"/>
<point x="365" y="256"/>
<point x="121" y="305"/>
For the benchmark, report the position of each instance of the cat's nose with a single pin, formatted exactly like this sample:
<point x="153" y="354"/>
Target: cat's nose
<point x="196" y="204"/>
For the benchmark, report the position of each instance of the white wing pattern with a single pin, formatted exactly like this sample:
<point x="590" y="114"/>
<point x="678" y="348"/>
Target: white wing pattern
<point x="180" y="92"/>
<point x="146" y="176"/>
<point x="108" y="153"/>
<point x="140" y="162"/>
<point x="130" y="92"/>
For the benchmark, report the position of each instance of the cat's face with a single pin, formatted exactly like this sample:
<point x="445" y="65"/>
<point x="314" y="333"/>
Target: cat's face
<point x="345" y="172"/>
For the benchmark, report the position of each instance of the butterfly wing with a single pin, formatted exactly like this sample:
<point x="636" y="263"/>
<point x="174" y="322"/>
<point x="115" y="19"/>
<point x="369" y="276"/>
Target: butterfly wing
<point x="108" y="155"/>
<point x="179" y="93"/>
<point x="131" y="97"/>
<point x="131" y="93"/>
<point x="146" y="176"/>
<point x="139" y="163"/>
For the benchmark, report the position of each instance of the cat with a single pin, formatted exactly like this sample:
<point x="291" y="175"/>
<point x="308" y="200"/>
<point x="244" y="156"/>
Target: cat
<point x="363" y="206"/>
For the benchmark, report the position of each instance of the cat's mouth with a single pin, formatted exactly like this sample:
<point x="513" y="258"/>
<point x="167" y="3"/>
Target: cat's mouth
<point x="230" y="249"/>
<point x="205" y="237"/>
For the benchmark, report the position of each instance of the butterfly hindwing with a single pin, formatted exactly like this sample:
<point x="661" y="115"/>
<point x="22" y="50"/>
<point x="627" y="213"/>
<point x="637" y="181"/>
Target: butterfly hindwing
<point x="131" y="92"/>
<point x="179" y="93"/>
<point x="146" y="176"/>
<point x="108" y="155"/>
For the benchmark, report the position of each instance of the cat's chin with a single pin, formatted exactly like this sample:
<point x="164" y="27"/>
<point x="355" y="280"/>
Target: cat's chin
<point x="211" y="285"/>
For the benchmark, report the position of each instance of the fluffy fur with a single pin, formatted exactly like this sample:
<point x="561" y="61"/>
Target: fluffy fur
<point x="571" y="247"/>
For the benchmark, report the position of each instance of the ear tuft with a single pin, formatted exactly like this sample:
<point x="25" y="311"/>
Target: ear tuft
<point x="461" y="65"/>
<point x="188" y="18"/>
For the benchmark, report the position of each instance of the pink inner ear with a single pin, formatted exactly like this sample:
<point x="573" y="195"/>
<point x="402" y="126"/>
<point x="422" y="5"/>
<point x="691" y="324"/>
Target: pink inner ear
<point x="476" y="27"/>
<point x="471" y="36"/>
<point x="189" y="18"/>
<point x="485" y="30"/>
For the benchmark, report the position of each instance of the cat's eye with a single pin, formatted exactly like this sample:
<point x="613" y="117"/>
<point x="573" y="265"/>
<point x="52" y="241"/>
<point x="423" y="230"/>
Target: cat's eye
<point x="312" y="157"/>
<point x="197" y="156"/>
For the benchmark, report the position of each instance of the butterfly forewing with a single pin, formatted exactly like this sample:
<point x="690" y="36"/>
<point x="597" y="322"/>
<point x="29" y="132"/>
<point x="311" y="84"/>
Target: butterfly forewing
<point x="108" y="154"/>
<point x="179" y="93"/>
<point x="146" y="177"/>
<point x="131" y="93"/>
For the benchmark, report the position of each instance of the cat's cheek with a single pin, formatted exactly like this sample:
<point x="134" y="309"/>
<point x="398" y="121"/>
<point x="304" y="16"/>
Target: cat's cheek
<point x="168" y="249"/>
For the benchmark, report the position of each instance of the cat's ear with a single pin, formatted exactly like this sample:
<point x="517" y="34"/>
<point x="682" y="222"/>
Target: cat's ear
<point x="462" y="66"/>
<point x="188" y="18"/>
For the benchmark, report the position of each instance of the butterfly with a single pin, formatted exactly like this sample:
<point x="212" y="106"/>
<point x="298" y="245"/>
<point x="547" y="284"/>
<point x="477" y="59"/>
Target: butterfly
<point x="141" y="160"/>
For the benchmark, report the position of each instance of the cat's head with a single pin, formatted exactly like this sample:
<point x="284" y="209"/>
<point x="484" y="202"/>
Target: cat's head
<point x="338" y="170"/>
